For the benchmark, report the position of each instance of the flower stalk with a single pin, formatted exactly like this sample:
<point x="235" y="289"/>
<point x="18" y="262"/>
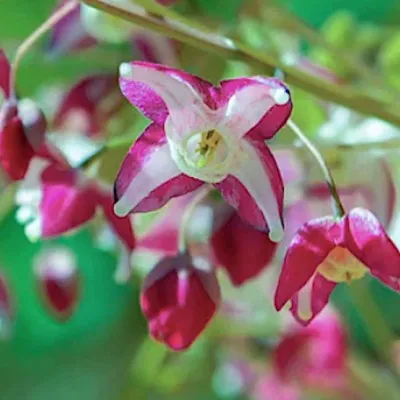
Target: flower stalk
<point x="171" y="24"/>
<point x="338" y="206"/>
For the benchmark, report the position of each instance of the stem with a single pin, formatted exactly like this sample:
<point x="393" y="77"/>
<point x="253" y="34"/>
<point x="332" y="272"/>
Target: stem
<point x="338" y="206"/>
<point x="188" y="214"/>
<point x="171" y="24"/>
<point x="36" y="35"/>
<point x="379" y="333"/>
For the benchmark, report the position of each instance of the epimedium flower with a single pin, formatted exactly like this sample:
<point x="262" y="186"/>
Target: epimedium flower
<point x="54" y="199"/>
<point x="204" y="134"/>
<point x="327" y="251"/>
<point x="22" y="127"/>
<point x="179" y="297"/>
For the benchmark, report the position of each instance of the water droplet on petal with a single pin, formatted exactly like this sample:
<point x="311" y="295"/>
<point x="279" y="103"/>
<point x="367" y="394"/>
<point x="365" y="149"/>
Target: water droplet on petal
<point x="58" y="280"/>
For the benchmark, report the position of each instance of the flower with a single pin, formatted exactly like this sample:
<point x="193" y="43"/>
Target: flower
<point x="179" y="298"/>
<point x="325" y="252"/>
<point x="204" y="134"/>
<point x="54" y="200"/>
<point x="242" y="251"/>
<point x="22" y="127"/>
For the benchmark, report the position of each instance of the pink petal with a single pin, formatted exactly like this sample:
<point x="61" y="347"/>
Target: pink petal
<point x="273" y="388"/>
<point x="274" y="117"/>
<point x="176" y="303"/>
<point x="84" y="99"/>
<point x="242" y="250"/>
<point x="65" y="203"/>
<point x="255" y="190"/>
<point x="367" y="240"/>
<point x="122" y="227"/>
<point x="309" y="247"/>
<point x="69" y="34"/>
<point x="4" y="74"/>
<point x="311" y="299"/>
<point x="249" y="105"/>
<point x="163" y="235"/>
<point x="148" y="177"/>
<point x="158" y="91"/>
<point x="15" y="149"/>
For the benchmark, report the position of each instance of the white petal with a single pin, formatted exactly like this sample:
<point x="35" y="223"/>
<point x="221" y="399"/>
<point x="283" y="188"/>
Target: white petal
<point x="158" y="169"/>
<point x="255" y="179"/>
<point x="247" y="107"/>
<point x="304" y="310"/>
<point x="186" y="107"/>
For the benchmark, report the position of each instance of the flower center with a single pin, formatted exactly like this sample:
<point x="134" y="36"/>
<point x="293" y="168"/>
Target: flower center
<point x="341" y="266"/>
<point x="207" y="147"/>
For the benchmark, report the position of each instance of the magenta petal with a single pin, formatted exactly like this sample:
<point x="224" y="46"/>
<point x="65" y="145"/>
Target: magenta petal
<point x="367" y="240"/>
<point x="311" y="299"/>
<point x="176" y="303"/>
<point x="122" y="227"/>
<point x="65" y="203"/>
<point x="256" y="190"/>
<point x="4" y="74"/>
<point x="149" y="102"/>
<point x="309" y="247"/>
<point x="148" y="176"/>
<point x="69" y="33"/>
<point x="15" y="149"/>
<point x="84" y="99"/>
<point x="242" y="250"/>
<point x="274" y="118"/>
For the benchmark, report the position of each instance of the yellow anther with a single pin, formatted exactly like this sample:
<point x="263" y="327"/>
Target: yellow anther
<point x="208" y="146"/>
<point x="341" y="266"/>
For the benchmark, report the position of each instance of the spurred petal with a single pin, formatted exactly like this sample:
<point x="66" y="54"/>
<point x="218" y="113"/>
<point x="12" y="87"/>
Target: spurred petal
<point x="275" y="115"/>
<point x="149" y="177"/>
<point x="4" y="75"/>
<point x="241" y="250"/>
<point x="176" y="302"/>
<point x="309" y="247"/>
<point x="311" y="299"/>
<point x="15" y="149"/>
<point x="367" y="240"/>
<point x="248" y="106"/>
<point x="69" y="33"/>
<point x="158" y="91"/>
<point x="85" y="101"/>
<point x="255" y="189"/>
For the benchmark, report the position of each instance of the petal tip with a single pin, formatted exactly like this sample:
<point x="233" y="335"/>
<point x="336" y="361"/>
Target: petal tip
<point x="125" y="70"/>
<point x="280" y="95"/>
<point x="276" y="235"/>
<point x="120" y="210"/>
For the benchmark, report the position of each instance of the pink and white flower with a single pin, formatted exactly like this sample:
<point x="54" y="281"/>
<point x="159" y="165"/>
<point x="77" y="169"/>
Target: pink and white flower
<point x="325" y="252"/>
<point x="204" y="134"/>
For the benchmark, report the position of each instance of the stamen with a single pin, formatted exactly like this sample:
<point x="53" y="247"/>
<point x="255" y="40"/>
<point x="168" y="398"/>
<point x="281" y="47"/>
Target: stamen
<point x="208" y="147"/>
<point x="341" y="266"/>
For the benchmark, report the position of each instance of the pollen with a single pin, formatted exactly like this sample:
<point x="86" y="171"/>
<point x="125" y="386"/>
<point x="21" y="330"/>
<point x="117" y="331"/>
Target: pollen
<point x="341" y="266"/>
<point x="207" y="147"/>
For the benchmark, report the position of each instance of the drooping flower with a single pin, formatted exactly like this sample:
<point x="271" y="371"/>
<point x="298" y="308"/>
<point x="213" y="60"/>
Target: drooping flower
<point x="312" y="357"/>
<point x="204" y="134"/>
<point x="54" y="200"/>
<point x="22" y="128"/>
<point x="325" y="252"/>
<point x="179" y="298"/>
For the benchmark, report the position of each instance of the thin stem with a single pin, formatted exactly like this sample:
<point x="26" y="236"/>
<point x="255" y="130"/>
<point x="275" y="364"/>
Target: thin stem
<point x="338" y="206"/>
<point x="188" y="214"/>
<point x="173" y="25"/>
<point x="36" y="35"/>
